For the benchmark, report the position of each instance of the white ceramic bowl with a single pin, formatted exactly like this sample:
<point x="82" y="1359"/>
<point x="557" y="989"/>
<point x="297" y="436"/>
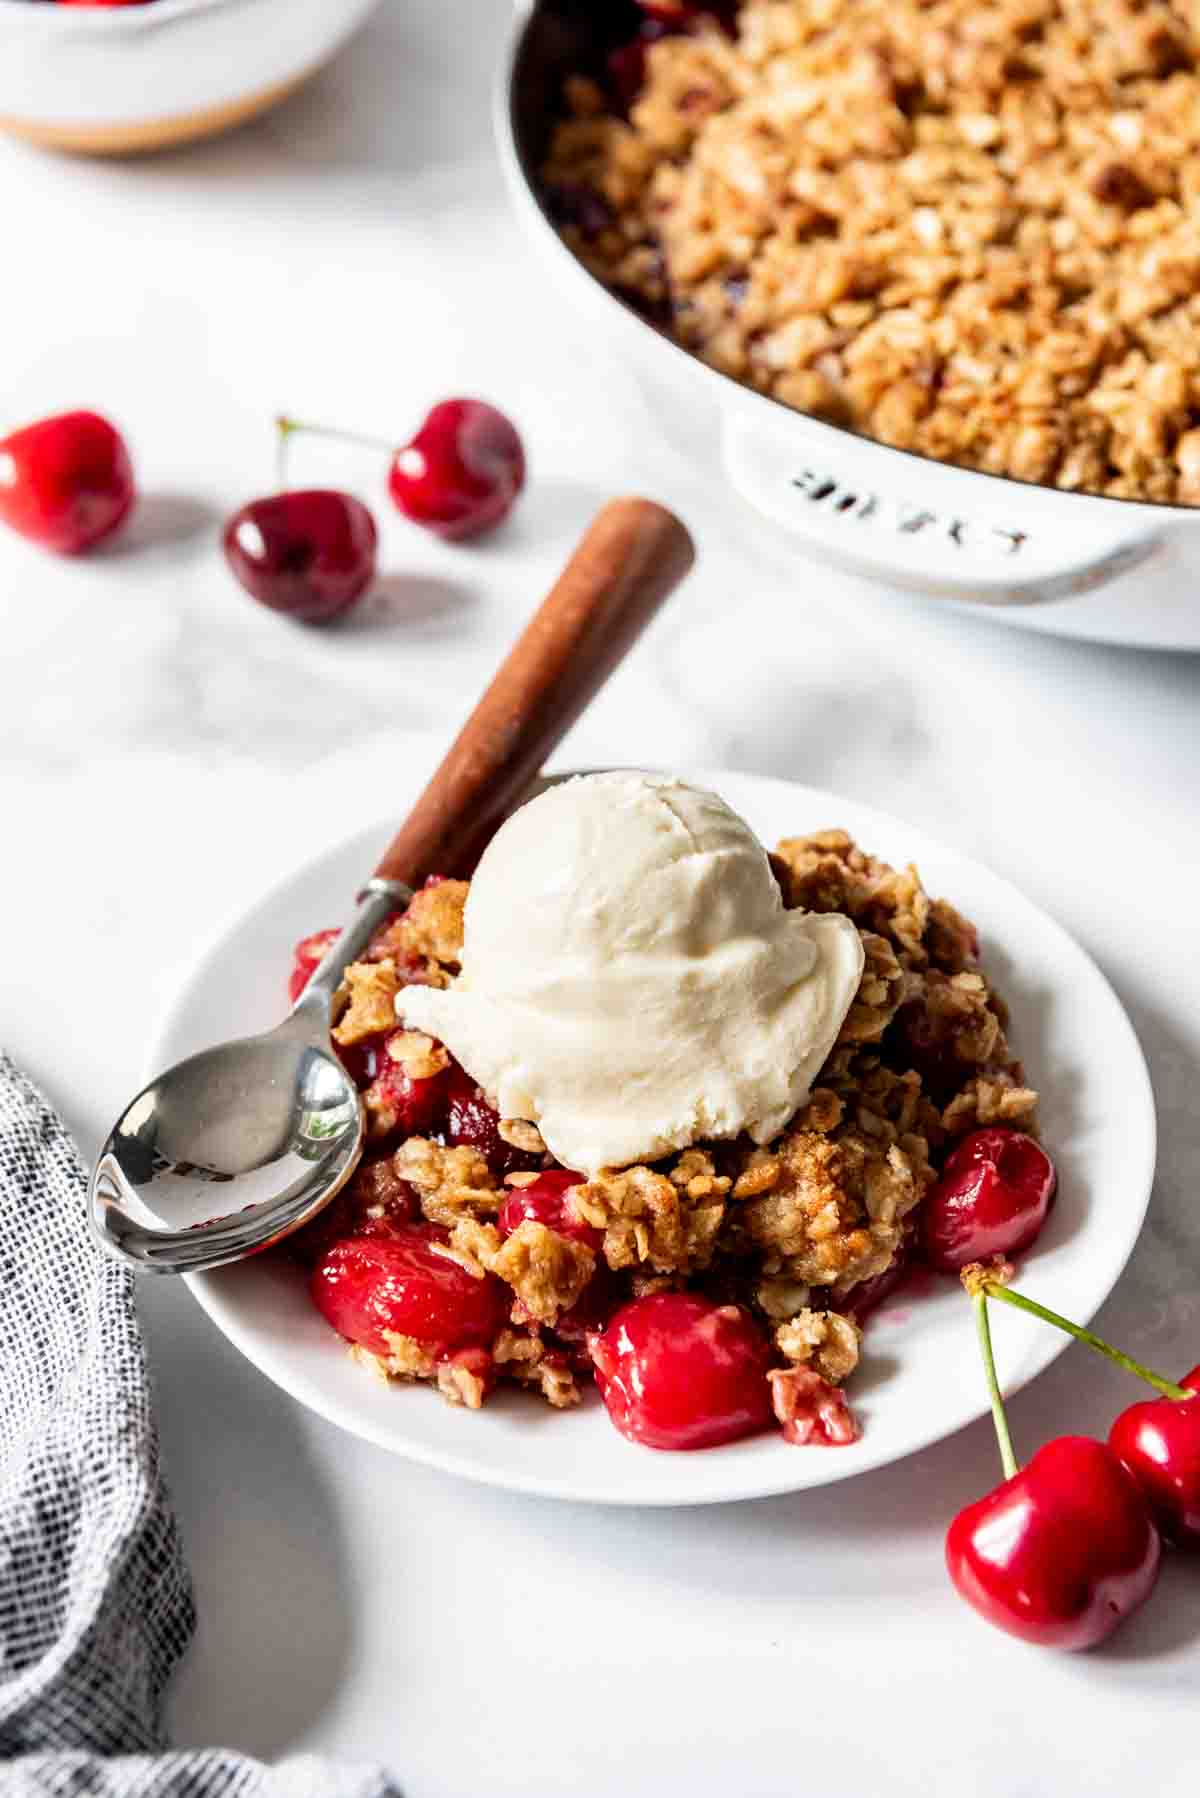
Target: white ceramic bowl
<point x="120" y="79"/>
<point x="898" y="517"/>
<point x="920" y="1377"/>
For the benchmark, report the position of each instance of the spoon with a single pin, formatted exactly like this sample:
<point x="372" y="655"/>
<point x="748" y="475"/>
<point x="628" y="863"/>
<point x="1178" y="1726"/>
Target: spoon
<point x="236" y="1147"/>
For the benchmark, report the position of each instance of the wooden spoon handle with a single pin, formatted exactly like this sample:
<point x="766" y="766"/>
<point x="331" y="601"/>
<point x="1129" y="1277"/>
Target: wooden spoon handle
<point x="633" y="556"/>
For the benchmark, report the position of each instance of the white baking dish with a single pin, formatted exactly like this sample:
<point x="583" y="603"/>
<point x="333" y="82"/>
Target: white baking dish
<point x="897" y="517"/>
<point x="119" y="79"/>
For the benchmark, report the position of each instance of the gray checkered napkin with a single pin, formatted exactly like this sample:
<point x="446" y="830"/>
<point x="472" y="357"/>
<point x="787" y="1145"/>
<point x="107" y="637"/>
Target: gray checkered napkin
<point x="95" y="1602"/>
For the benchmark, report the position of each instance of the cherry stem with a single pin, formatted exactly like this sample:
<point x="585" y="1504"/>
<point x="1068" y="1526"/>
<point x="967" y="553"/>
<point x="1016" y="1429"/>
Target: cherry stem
<point x="285" y="427"/>
<point x="1168" y="1389"/>
<point x="292" y="427"/>
<point x="999" y="1417"/>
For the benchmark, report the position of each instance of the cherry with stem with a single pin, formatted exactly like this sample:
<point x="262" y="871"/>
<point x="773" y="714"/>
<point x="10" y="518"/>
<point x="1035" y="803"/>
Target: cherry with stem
<point x="458" y="477"/>
<point x="1065" y="1548"/>
<point x="307" y="552"/>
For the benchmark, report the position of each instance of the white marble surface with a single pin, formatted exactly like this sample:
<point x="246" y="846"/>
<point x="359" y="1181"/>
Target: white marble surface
<point x="165" y="748"/>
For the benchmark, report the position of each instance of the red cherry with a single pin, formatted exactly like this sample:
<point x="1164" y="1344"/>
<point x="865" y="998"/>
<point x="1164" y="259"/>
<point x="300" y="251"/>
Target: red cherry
<point x="929" y="1045"/>
<point x="66" y="482"/>
<point x="368" y="1286"/>
<point x="1159" y="1442"/>
<point x="376" y="1202"/>
<point x="809" y="1410"/>
<point x="601" y="1297"/>
<point x="547" y="1202"/>
<point x="462" y="472"/>
<point x="677" y="13"/>
<point x="679" y="1372"/>
<point x="992" y="1199"/>
<point x="390" y="1216"/>
<point x="308" y="955"/>
<point x="309" y="553"/>
<point x="575" y="203"/>
<point x="627" y="75"/>
<point x="474" y="1123"/>
<point x="420" y="1105"/>
<point x="663" y="18"/>
<point x="1061" y="1552"/>
<point x="864" y="1299"/>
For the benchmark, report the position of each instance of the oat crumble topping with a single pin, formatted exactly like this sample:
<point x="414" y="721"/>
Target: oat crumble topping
<point x="368" y="993"/>
<point x="962" y="227"/>
<point x="426" y="940"/>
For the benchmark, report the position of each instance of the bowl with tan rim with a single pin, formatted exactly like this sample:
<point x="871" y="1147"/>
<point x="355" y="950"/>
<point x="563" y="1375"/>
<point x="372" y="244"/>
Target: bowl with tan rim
<point x="123" y="79"/>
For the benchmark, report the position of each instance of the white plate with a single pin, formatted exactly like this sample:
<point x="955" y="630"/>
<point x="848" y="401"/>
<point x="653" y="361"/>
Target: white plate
<point x="920" y="1377"/>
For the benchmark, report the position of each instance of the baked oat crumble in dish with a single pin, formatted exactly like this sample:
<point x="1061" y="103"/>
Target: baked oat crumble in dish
<point x="963" y="228"/>
<point x="720" y="1288"/>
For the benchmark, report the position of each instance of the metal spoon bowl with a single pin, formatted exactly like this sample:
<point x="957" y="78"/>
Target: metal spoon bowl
<point x="236" y="1147"/>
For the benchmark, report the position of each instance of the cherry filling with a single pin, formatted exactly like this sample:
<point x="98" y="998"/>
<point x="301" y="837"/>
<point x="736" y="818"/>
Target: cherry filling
<point x="992" y="1199"/>
<point x="472" y="1122"/>
<point x="863" y="1300"/>
<point x="307" y="957"/>
<point x="397" y="1283"/>
<point x="680" y="1372"/>
<point x="663" y="18"/>
<point x="420" y="1105"/>
<point x="927" y="1044"/>
<point x="679" y="13"/>
<point x="600" y="1299"/>
<point x="548" y="1202"/>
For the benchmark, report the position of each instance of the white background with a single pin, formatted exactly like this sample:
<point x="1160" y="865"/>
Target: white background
<point x="166" y="748"/>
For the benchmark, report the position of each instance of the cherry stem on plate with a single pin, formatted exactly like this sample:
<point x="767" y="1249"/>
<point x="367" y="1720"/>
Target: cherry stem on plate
<point x="979" y="1299"/>
<point x="293" y="427"/>
<point x="993" y="1289"/>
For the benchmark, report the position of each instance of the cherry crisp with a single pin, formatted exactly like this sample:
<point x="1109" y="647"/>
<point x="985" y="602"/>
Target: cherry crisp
<point x="711" y="1295"/>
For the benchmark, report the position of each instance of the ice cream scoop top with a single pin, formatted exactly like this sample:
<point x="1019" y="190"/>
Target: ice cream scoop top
<point x="631" y="981"/>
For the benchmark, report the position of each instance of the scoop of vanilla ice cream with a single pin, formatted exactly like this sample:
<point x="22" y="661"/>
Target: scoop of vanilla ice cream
<point x="630" y="979"/>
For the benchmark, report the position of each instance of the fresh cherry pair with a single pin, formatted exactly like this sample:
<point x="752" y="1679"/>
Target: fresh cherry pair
<point x="1070" y="1545"/>
<point x="311" y="552"/>
<point x="1066" y="1547"/>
